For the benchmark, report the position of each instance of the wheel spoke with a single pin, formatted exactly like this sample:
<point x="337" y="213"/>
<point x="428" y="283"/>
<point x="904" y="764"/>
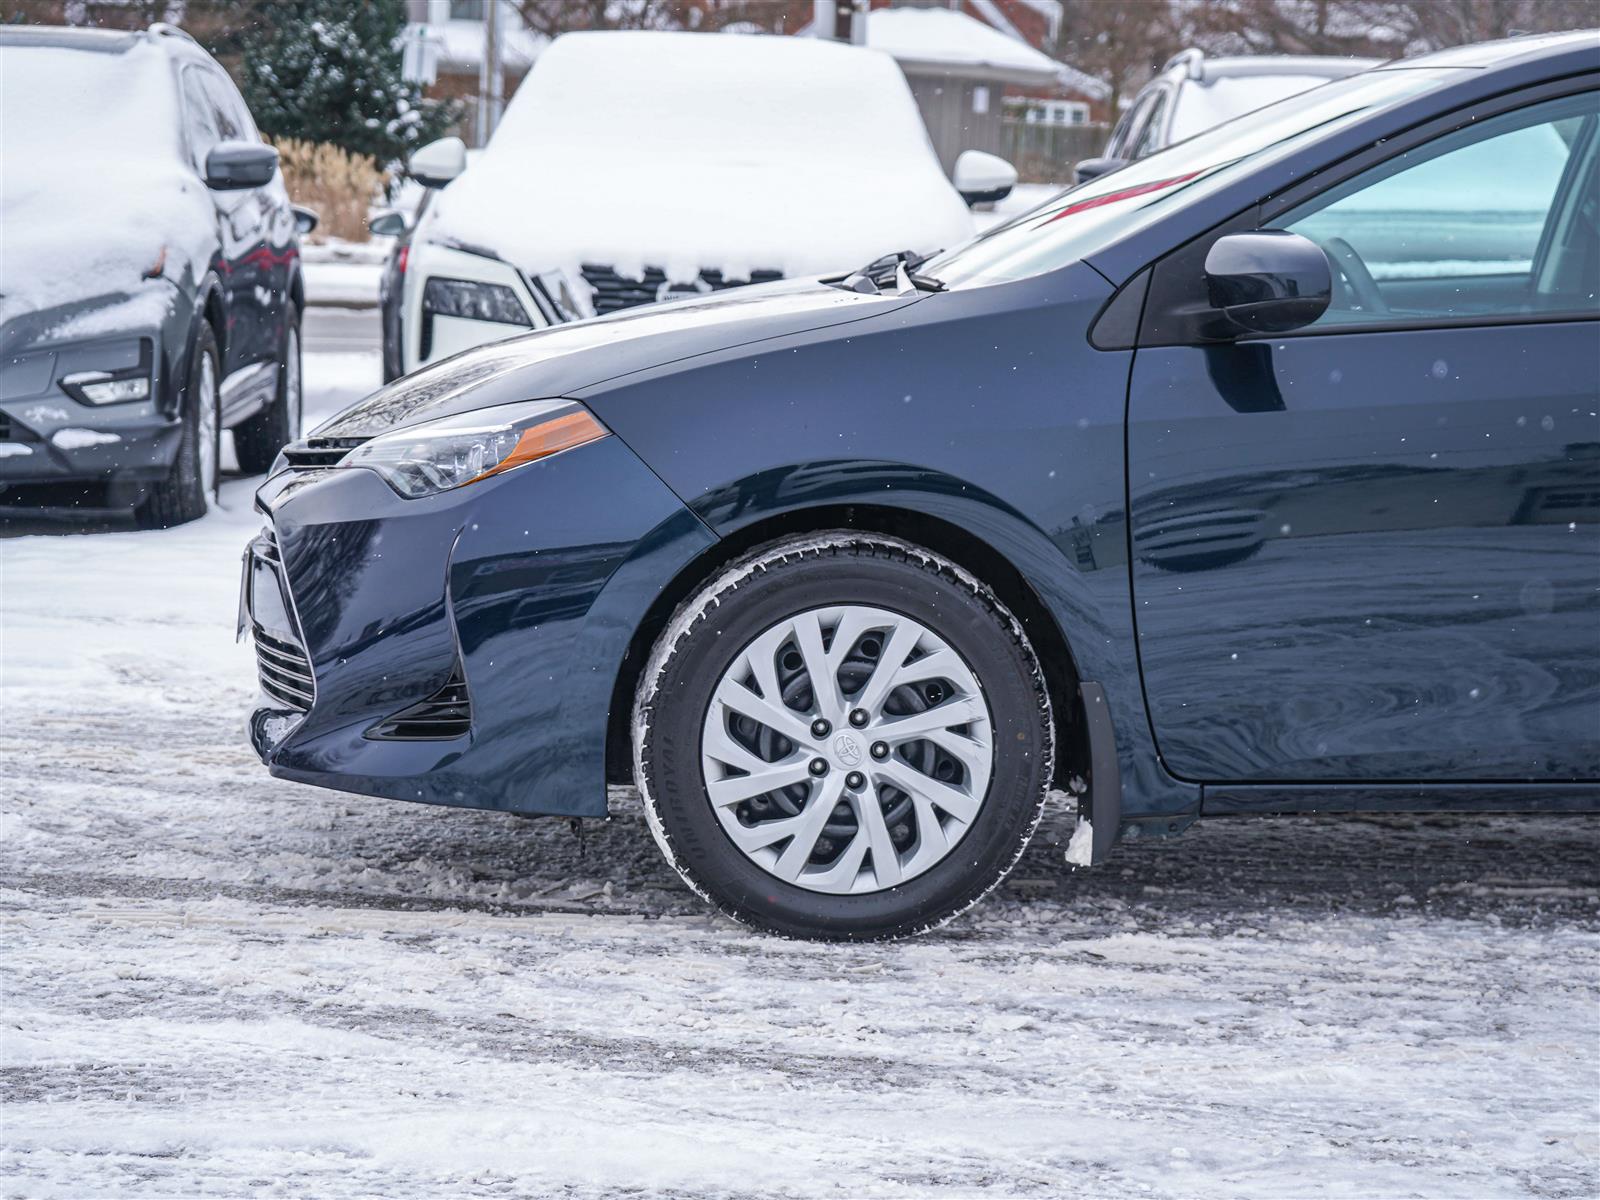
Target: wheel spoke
<point x="770" y="713"/>
<point x="719" y="746"/>
<point x="808" y="828"/>
<point x="736" y="788"/>
<point x="962" y="711"/>
<point x="902" y="641"/>
<point x="955" y="801"/>
<point x="824" y="683"/>
<point x="885" y="858"/>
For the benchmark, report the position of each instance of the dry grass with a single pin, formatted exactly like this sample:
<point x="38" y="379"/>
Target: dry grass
<point x="339" y="185"/>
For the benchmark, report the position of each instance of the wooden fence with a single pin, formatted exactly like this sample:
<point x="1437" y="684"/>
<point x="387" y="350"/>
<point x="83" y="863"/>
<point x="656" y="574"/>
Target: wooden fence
<point x="1047" y="153"/>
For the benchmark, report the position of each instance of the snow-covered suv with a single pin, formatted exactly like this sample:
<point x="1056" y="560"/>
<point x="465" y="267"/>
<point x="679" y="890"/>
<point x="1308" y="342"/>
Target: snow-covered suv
<point x="1193" y="93"/>
<point x="632" y="167"/>
<point x="149" y="274"/>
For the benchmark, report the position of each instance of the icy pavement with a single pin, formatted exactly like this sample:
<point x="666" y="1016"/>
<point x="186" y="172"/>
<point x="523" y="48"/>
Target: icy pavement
<point x="215" y="983"/>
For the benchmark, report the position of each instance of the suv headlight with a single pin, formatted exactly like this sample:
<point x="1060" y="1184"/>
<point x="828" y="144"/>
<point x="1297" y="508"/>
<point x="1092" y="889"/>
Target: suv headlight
<point x="473" y="301"/>
<point x="453" y="451"/>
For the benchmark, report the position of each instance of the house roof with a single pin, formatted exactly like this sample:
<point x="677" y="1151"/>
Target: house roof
<point x="460" y="44"/>
<point x="941" y="40"/>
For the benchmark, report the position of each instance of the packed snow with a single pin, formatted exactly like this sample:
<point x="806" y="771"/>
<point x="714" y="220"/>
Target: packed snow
<point x="823" y="164"/>
<point x="218" y="983"/>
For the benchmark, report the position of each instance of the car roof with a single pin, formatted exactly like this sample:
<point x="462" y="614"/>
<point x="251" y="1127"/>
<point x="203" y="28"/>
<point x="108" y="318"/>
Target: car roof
<point x="1512" y="51"/>
<point x="102" y="41"/>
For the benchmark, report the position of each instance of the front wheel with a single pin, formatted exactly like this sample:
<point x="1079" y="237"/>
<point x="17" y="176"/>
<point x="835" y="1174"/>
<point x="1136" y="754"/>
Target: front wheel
<point x="843" y="737"/>
<point x="191" y="483"/>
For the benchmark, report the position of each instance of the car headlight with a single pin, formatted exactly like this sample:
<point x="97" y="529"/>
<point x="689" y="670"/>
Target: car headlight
<point x="453" y="451"/>
<point x="119" y="386"/>
<point x="474" y="301"/>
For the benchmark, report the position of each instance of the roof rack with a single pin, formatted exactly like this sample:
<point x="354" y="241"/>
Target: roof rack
<point x="1191" y="60"/>
<point x="167" y="29"/>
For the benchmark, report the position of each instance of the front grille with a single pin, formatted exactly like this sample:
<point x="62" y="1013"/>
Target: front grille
<point x="445" y="714"/>
<point x="285" y="671"/>
<point x="319" y="452"/>
<point x="613" y="291"/>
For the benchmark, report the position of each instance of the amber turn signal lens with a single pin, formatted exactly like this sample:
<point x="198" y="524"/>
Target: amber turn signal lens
<point x="547" y="438"/>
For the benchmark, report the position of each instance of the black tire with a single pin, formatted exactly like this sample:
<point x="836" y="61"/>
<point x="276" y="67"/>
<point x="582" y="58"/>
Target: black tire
<point x="256" y="441"/>
<point x="794" y="576"/>
<point x="184" y="495"/>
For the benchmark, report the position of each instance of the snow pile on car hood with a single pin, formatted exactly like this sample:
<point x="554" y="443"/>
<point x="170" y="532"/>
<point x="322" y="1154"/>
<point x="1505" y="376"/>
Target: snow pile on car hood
<point x="93" y="185"/>
<point x="691" y="152"/>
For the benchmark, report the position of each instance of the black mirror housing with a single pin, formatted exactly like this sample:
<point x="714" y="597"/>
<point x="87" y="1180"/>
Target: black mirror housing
<point x="1093" y="168"/>
<point x="234" y="166"/>
<point x="1268" y="280"/>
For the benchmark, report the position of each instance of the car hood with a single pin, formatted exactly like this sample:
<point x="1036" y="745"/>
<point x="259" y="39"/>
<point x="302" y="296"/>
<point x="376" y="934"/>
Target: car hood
<point x="568" y="358"/>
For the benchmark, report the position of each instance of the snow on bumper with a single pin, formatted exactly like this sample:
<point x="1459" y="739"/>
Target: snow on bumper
<point x="527" y="587"/>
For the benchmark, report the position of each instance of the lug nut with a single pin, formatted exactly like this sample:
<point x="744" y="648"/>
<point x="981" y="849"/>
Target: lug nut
<point x="819" y="767"/>
<point x="859" y="718"/>
<point x="880" y="749"/>
<point x="820" y="728"/>
<point x="855" y="781"/>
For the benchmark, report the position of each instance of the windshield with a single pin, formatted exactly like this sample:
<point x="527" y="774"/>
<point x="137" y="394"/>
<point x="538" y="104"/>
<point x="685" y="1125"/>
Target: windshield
<point x="1079" y="221"/>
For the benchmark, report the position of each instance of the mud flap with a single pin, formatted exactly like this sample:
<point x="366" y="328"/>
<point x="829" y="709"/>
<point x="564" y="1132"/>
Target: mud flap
<point x="1103" y="805"/>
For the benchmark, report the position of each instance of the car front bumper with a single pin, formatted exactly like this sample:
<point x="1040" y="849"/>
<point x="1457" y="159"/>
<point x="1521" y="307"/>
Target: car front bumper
<point x="526" y="588"/>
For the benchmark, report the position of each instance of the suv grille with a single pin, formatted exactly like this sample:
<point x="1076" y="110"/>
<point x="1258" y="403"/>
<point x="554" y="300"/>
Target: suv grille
<point x="285" y="671"/>
<point x="612" y="291"/>
<point x="445" y="714"/>
<point x="319" y="452"/>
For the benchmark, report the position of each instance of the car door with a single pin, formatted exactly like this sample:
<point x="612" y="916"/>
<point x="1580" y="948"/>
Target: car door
<point x="1369" y="551"/>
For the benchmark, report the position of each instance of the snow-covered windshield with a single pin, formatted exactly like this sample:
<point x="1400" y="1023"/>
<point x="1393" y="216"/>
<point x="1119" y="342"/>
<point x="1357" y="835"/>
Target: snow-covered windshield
<point x="93" y="185"/>
<point x="91" y="102"/>
<point x="1079" y="221"/>
<point x="693" y="152"/>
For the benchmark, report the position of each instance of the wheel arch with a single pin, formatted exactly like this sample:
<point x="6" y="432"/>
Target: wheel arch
<point x="936" y="534"/>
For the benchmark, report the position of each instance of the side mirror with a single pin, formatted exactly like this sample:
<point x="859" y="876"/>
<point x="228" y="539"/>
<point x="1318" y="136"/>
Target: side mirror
<point x="1093" y="168"/>
<point x="1268" y="281"/>
<point x="305" y="219"/>
<point x="983" y="178"/>
<point x="234" y="166"/>
<point x="391" y="222"/>
<point x="437" y="163"/>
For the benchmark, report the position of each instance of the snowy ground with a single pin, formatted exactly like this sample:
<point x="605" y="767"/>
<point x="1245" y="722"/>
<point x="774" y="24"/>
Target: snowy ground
<point x="215" y="983"/>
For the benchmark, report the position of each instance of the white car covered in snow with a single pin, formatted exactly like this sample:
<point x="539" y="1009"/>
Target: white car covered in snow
<point x="632" y="167"/>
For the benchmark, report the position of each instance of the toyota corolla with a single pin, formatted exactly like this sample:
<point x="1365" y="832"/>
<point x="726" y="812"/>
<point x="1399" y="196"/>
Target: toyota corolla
<point x="1260" y="476"/>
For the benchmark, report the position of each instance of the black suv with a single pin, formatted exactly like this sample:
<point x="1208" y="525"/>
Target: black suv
<point x="152" y="301"/>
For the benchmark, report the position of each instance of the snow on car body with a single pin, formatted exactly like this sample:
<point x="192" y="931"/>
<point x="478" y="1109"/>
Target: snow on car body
<point x="704" y="162"/>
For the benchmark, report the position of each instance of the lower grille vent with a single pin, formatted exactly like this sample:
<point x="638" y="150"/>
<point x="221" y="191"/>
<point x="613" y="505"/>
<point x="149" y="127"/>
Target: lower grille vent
<point x="445" y="714"/>
<point x="285" y="671"/>
<point x="613" y="291"/>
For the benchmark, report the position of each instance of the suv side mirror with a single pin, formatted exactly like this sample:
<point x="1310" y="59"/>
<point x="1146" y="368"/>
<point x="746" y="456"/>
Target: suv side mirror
<point x="983" y="178"/>
<point x="234" y="166"/>
<point x="1268" y="281"/>
<point x="1093" y="168"/>
<point x="391" y="222"/>
<point x="437" y="163"/>
<point x="305" y="219"/>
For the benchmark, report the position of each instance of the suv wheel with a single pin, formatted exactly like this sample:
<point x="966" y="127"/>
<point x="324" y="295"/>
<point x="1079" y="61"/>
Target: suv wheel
<point x="843" y="737"/>
<point x="258" y="440"/>
<point x="187" y="491"/>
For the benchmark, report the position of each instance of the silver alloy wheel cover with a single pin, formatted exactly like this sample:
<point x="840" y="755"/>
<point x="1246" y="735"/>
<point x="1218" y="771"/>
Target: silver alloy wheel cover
<point x="206" y="427"/>
<point x="291" y="390"/>
<point x="783" y="847"/>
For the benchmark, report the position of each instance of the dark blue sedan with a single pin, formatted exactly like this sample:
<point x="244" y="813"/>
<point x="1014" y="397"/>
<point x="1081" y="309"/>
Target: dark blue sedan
<point x="1261" y="475"/>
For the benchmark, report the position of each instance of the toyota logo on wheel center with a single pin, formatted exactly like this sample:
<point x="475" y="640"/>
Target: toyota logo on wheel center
<point x="847" y="750"/>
